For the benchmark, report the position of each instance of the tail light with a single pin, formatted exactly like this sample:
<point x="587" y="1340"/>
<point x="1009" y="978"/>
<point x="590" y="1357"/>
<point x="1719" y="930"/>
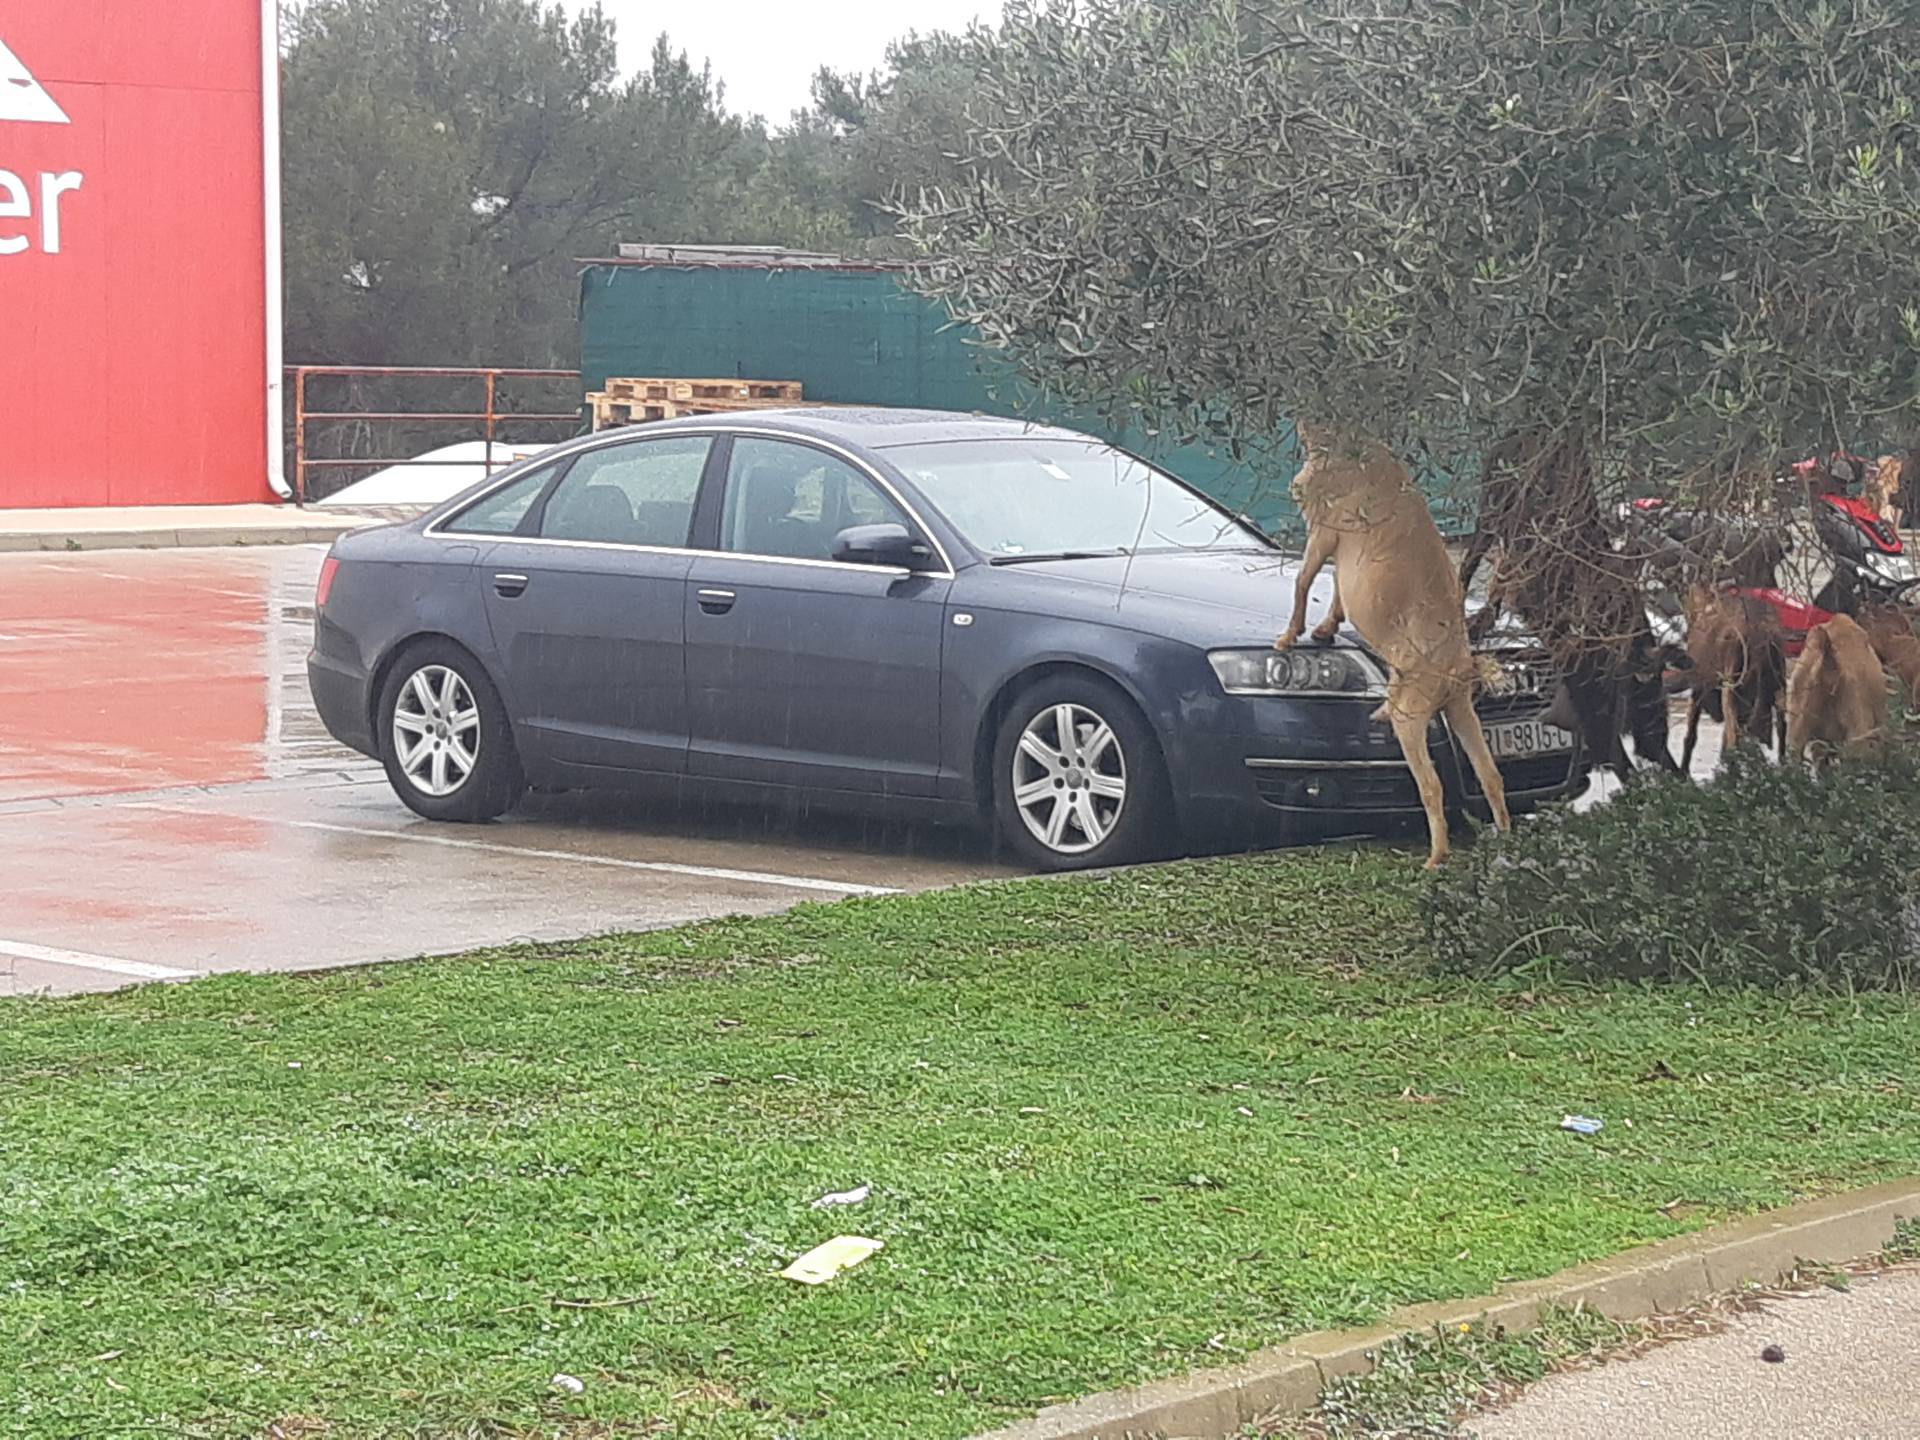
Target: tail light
<point x="329" y="568"/>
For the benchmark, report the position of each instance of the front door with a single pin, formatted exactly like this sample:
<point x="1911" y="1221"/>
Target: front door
<point x="588" y="607"/>
<point x="802" y="670"/>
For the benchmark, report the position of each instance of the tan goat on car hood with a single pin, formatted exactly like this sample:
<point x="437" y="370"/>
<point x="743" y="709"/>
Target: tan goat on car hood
<point x="1392" y="575"/>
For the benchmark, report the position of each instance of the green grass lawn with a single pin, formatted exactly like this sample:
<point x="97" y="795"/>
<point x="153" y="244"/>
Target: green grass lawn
<point x="1114" y="1128"/>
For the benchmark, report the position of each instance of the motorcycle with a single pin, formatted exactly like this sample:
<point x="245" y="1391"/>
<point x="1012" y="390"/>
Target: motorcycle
<point x="1825" y="552"/>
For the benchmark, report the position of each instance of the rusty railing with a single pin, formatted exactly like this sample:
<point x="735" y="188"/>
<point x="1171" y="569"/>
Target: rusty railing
<point x="490" y="420"/>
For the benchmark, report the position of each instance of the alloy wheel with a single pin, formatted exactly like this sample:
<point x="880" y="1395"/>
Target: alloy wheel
<point x="1069" y="778"/>
<point x="436" y="730"/>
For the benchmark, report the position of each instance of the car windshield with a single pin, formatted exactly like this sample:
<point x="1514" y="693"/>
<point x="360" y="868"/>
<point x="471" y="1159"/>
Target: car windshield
<point x="1035" y="497"/>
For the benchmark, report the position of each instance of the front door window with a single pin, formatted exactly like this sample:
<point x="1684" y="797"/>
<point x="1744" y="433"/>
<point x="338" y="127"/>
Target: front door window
<point x="790" y="500"/>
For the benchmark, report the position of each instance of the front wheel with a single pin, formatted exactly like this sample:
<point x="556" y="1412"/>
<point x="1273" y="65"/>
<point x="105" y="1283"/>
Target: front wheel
<point x="445" y="737"/>
<point x="1078" y="781"/>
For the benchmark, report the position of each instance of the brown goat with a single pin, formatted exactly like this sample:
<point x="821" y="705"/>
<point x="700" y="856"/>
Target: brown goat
<point x="1739" y="656"/>
<point x="1837" y="698"/>
<point x="1559" y="572"/>
<point x="1886" y="477"/>
<point x="1390" y="572"/>
<point x="1890" y="631"/>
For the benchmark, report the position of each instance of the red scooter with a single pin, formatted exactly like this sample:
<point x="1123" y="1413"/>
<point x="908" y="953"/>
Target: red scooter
<point x="1834" y="556"/>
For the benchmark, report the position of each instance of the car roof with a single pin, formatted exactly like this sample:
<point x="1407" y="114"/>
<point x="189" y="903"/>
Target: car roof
<point x="871" y="426"/>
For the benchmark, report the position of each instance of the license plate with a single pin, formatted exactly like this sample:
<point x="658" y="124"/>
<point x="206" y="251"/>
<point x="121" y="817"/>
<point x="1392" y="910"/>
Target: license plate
<point x="1519" y="739"/>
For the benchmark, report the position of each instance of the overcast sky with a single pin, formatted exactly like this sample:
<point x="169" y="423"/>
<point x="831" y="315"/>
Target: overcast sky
<point x="767" y="50"/>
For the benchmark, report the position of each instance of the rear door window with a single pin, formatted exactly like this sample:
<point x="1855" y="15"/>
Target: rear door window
<point x="634" y="494"/>
<point x="638" y="493"/>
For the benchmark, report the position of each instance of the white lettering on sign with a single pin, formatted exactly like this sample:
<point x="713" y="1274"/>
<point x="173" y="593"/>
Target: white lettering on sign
<point x="24" y="98"/>
<point x="16" y="203"/>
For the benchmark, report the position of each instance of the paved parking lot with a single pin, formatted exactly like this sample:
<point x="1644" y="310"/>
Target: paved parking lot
<point x="170" y="806"/>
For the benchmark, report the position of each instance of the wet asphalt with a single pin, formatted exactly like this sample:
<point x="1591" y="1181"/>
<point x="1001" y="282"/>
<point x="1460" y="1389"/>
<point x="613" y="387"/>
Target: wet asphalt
<point x="170" y="806"/>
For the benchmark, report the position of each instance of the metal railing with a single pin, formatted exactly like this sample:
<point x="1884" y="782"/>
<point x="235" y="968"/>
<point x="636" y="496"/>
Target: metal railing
<point x="490" y="420"/>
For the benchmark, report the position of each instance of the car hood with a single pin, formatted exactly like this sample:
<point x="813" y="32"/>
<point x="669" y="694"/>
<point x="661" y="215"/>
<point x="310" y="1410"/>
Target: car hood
<point x="1208" y="598"/>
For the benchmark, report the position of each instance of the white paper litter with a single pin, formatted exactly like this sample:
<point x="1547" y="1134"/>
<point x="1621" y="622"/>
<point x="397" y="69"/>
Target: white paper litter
<point x="855" y="1196"/>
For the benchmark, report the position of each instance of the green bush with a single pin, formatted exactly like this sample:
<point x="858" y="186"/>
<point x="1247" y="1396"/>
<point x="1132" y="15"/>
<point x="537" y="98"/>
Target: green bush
<point x="1768" y="875"/>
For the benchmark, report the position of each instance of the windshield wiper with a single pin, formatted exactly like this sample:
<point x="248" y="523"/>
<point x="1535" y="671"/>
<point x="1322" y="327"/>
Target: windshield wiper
<point x="1055" y="555"/>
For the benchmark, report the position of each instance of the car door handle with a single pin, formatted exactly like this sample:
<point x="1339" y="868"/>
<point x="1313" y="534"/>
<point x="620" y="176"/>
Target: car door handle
<point x="510" y="585"/>
<point x="716" y="602"/>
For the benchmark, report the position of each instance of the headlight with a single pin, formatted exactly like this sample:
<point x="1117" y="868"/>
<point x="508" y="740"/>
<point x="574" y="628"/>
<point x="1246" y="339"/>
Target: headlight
<point x="1315" y="670"/>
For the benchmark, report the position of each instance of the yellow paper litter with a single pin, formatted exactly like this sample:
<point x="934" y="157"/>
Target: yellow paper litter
<point x="825" y="1261"/>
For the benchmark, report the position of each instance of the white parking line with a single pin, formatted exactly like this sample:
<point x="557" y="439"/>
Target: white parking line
<point x="664" y="867"/>
<point x="147" y="799"/>
<point x="137" y="969"/>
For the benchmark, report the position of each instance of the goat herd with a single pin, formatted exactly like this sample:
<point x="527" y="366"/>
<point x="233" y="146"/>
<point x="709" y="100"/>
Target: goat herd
<point x="1835" y="700"/>
<point x="1557" y="568"/>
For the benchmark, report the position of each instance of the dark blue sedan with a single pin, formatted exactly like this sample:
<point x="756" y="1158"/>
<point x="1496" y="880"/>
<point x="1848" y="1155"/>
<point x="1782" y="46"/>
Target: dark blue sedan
<point x="902" y="608"/>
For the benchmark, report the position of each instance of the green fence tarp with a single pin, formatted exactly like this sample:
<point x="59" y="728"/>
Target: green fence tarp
<point x="851" y="337"/>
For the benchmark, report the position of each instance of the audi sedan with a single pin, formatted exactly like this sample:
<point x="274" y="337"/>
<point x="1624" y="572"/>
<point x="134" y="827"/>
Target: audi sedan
<point x="905" y="609"/>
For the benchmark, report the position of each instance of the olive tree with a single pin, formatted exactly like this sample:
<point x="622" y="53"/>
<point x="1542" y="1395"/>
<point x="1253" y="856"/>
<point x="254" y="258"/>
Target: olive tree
<point x="1684" y="237"/>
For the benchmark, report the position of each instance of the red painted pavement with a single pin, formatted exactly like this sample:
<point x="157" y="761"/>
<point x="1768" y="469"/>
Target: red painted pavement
<point x="138" y="672"/>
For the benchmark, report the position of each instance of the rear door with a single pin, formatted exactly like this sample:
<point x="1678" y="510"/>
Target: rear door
<point x="588" y="604"/>
<point x="802" y="670"/>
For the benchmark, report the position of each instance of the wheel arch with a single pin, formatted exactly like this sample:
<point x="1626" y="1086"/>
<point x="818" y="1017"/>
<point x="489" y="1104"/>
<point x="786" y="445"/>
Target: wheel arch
<point x="384" y="667"/>
<point x="1024" y="679"/>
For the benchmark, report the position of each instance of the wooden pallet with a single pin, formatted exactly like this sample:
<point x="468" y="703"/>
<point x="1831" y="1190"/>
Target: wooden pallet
<point x="690" y="391"/>
<point x="611" y="410"/>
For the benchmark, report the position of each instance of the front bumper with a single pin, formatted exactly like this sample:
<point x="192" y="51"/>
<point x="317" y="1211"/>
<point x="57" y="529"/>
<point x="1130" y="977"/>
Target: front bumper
<point x="1277" y="764"/>
<point x="1385" y="787"/>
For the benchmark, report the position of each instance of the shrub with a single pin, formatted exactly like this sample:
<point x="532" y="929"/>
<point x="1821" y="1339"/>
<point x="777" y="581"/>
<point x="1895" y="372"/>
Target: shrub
<point x="1768" y="875"/>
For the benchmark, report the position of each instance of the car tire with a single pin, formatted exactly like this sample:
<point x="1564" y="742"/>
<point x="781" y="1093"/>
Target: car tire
<point x="445" y="737"/>
<point x="1102" y="800"/>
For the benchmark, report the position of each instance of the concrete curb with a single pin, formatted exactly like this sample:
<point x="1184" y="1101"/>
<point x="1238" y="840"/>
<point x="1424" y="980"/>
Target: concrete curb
<point x="1667" y="1275"/>
<point x="324" y="533"/>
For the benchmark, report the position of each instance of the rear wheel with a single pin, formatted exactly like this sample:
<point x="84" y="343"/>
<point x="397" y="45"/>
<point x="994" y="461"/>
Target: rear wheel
<point x="445" y="737"/>
<point x="1077" y="778"/>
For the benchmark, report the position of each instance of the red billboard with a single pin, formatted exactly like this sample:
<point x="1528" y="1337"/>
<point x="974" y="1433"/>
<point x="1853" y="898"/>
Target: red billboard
<point x="139" y="252"/>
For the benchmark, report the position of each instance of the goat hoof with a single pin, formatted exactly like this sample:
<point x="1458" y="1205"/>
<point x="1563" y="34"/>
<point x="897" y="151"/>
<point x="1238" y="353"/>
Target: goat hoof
<point x="1285" y="642"/>
<point x="1323" y="634"/>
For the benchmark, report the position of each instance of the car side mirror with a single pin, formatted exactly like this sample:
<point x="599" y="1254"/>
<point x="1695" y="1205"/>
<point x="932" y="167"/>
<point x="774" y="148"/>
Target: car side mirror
<point x="887" y="544"/>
